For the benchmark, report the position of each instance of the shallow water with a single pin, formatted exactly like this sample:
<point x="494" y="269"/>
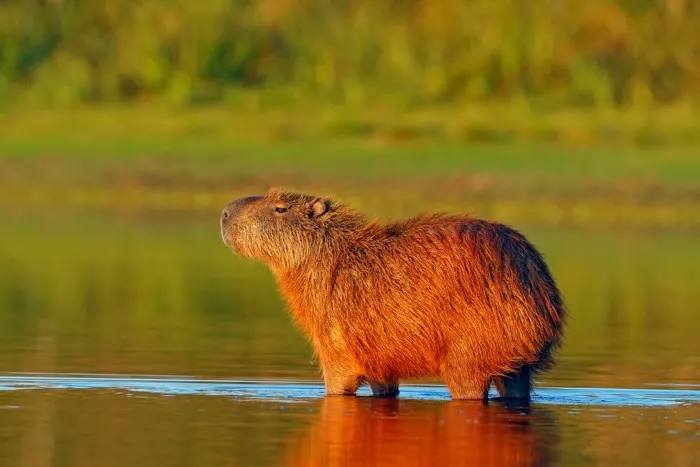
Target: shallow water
<point x="142" y="341"/>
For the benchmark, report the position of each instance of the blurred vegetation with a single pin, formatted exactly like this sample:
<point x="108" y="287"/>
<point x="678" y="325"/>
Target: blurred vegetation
<point x="555" y="52"/>
<point x="543" y="57"/>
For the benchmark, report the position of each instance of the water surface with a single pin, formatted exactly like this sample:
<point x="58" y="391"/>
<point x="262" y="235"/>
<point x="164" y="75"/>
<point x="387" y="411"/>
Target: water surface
<point x="141" y="341"/>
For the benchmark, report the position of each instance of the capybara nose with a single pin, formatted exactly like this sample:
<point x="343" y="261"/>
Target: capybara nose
<point x="233" y="208"/>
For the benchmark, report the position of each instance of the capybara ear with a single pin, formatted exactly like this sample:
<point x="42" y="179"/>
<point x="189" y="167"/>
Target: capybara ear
<point x="318" y="207"/>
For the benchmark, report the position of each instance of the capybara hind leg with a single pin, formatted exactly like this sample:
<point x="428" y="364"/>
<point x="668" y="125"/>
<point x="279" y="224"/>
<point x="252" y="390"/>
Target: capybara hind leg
<point x="474" y="388"/>
<point x="389" y="389"/>
<point x="514" y="385"/>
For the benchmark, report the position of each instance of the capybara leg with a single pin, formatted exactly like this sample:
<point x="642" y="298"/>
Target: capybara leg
<point x="474" y="388"/>
<point x="389" y="389"/>
<point x="340" y="383"/>
<point x="514" y="385"/>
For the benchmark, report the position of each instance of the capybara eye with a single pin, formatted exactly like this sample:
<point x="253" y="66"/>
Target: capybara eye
<point x="280" y="209"/>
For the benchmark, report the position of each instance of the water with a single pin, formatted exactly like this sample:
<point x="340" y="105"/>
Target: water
<point x="139" y="340"/>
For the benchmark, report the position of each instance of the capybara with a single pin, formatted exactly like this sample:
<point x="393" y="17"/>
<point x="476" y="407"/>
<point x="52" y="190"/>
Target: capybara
<point x="465" y="299"/>
<point x="392" y="432"/>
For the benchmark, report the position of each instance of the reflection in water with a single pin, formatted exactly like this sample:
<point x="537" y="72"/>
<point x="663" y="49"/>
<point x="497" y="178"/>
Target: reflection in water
<point x="83" y="422"/>
<point x="365" y="431"/>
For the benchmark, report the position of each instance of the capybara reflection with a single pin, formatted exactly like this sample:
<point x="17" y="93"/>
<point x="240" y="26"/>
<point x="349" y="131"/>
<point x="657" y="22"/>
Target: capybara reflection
<point x="364" y="431"/>
<point x="464" y="299"/>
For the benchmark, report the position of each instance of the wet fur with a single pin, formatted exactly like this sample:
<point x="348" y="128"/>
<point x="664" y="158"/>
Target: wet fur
<point x="468" y="300"/>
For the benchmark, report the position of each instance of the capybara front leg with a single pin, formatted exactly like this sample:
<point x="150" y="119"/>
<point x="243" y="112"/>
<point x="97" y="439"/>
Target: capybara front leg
<point x="388" y="389"/>
<point x="339" y="381"/>
<point x="515" y="385"/>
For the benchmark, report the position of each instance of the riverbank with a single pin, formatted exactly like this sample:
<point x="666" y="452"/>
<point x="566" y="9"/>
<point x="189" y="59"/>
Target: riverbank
<point x="169" y="170"/>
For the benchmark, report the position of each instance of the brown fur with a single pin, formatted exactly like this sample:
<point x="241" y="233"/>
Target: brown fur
<point x="390" y="432"/>
<point x="461" y="298"/>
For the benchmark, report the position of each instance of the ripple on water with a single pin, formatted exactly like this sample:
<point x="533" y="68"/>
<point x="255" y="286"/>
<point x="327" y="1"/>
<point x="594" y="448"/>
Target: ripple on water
<point x="299" y="391"/>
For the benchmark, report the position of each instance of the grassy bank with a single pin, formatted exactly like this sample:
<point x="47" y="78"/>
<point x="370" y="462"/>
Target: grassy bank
<point x="141" y="162"/>
<point x="119" y="127"/>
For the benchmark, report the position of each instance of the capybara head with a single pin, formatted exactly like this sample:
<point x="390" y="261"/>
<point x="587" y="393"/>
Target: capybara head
<point x="285" y="228"/>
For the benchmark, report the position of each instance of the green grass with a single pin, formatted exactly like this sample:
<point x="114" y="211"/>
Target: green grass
<point x="143" y="160"/>
<point x="208" y="141"/>
<point x="127" y="128"/>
